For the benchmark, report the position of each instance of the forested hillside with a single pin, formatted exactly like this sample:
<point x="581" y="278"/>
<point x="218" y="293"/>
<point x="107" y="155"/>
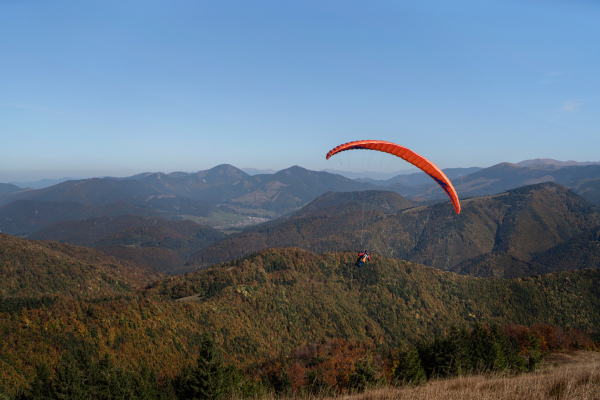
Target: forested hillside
<point x="160" y="244"/>
<point x="581" y="178"/>
<point x="513" y="227"/>
<point x="267" y="305"/>
<point x="33" y="269"/>
<point x="25" y="217"/>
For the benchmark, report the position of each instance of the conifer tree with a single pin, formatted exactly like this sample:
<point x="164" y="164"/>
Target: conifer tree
<point x="146" y="384"/>
<point x="409" y="370"/>
<point x="535" y="355"/>
<point x="207" y="380"/>
<point x="69" y="380"/>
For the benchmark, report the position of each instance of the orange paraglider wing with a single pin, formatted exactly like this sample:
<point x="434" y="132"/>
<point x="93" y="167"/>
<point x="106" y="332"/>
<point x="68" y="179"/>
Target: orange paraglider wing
<point x="406" y="154"/>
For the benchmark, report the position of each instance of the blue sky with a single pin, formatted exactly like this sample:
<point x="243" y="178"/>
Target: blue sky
<point x="96" y="88"/>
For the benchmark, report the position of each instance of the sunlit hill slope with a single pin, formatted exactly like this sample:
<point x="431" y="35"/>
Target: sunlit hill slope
<point x="30" y="268"/>
<point x="268" y="304"/>
<point x="521" y="227"/>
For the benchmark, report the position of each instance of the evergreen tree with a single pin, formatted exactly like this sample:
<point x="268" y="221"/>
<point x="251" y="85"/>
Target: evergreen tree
<point x="438" y="356"/>
<point x="457" y="348"/>
<point x="207" y="380"/>
<point x="535" y="355"/>
<point x="69" y="382"/>
<point x="108" y="381"/>
<point x="409" y="370"/>
<point x="146" y="384"/>
<point x="483" y="350"/>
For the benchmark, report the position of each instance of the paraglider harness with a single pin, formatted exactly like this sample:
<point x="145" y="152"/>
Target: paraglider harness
<point x="362" y="258"/>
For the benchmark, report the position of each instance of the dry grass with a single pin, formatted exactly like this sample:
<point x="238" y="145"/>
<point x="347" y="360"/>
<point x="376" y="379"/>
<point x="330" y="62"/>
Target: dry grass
<point x="572" y="375"/>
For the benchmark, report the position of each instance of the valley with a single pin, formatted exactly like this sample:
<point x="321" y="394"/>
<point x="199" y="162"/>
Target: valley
<point x="288" y="207"/>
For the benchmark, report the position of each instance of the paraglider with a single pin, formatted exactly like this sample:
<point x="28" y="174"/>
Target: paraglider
<point x="363" y="256"/>
<point x="408" y="155"/>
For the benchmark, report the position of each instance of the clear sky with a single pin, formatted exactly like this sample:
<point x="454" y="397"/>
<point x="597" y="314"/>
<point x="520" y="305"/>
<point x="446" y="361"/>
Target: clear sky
<point x="106" y="87"/>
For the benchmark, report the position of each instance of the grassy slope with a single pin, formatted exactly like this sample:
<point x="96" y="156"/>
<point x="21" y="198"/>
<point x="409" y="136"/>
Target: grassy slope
<point x="573" y="375"/>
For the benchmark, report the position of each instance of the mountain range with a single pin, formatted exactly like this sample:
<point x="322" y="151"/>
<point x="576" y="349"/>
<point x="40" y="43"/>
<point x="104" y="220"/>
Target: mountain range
<point x="94" y="286"/>
<point x="523" y="225"/>
<point x="208" y="196"/>
<point x="509" y="226"/>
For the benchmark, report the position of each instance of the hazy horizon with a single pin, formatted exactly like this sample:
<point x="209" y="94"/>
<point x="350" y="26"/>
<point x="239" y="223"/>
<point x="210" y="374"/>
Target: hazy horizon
<point x="48" y="180"/>
<point x="118" y="88"/>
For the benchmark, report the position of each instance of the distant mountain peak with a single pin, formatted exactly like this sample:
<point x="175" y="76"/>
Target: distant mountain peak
<point x="226" y="169"/>
<point x="295" y="169"/>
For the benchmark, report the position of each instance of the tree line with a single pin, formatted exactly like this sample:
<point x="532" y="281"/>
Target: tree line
<point x="324" y="368"/>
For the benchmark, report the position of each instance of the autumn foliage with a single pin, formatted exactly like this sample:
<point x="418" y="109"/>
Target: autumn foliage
<point x="284" y="321"/>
